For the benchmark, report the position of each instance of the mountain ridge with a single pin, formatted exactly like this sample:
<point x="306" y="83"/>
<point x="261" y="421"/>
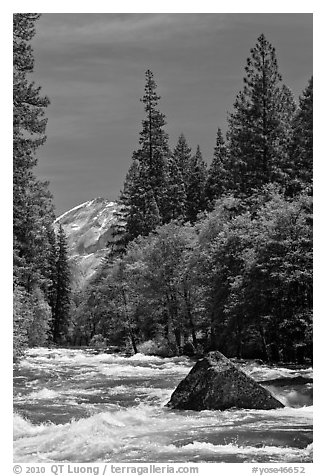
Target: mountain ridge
<point x="88" y="228"/>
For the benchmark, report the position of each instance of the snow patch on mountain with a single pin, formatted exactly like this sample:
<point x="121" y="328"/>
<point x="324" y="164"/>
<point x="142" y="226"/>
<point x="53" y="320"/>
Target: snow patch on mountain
<point x="88" y="228"/>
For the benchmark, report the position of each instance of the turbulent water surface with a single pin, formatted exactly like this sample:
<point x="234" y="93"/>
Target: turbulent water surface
<point x="82" y="406"/>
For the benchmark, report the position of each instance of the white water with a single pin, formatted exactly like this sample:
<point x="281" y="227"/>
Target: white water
<point x="77" y="406"/>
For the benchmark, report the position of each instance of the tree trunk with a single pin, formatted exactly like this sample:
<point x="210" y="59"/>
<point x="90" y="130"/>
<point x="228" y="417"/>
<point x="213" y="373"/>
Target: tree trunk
<point x="173" y="318"/>
<point x="133" y="341"/>
<point x="264" y="345"/>
<point x="191" y="321"/>
<point x="177" y="335"/>
<point x="213" y="335"/>
<point x="131" y="334"/>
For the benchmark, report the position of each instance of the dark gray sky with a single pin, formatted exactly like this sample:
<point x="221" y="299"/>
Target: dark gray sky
<point x="92" y="67"/>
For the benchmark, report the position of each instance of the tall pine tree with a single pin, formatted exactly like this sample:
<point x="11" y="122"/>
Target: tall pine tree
<point x="217" y="182"/>
<point x="175" y="203"/>
<point x="61" y="314"/>
<point x="154" y="149"/>
<point x="182" y="156"/>
<point x="29" y="126"/>
<point x="257" y="129"/>
<point x="144" y="201"/>
<point x="301" y="150"/>
<point x="195" y="187"/>
<point x="52" y="270"/>
<point x="33" y="210"/>
<point x="142" y="213"/>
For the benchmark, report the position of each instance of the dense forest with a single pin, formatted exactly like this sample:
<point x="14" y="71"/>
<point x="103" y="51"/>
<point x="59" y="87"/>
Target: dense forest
<point x="204" y="257"/>
<point x="41" y="298"/>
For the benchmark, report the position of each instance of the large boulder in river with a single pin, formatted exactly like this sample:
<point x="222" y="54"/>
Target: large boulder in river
<point x="215" y="383"/>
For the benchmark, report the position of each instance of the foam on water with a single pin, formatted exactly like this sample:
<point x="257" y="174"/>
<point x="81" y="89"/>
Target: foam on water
<point x="263" y="372"/>
<point x="275" y="453"/>
<point x="147" y="432"/>
<point x="43" y="394"/>
<point x="89" y="407"/>
<point x="144" y="433"/>
<point x="139" y="357"/>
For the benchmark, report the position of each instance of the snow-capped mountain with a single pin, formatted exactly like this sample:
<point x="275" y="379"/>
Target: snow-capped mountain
<point x="88" y="228"/>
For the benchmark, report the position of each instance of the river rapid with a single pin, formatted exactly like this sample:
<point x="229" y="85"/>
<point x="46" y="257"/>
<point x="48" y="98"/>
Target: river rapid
<point x="77" y="405"/>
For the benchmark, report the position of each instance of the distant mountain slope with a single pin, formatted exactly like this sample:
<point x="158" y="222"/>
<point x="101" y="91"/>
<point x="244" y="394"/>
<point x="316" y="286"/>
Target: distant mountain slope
<point x="88" y="228"/>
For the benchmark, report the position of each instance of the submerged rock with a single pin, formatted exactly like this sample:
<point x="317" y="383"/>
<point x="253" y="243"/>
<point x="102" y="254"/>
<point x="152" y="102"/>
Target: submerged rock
<point x="215" y="383"/>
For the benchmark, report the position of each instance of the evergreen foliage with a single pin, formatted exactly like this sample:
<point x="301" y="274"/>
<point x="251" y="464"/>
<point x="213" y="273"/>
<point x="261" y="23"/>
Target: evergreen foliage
<point x="301" y="151"/>
<point x="237" y="279"/>
<point x="33" y="211"/>
<point x="138" y="197"/>
<point x="28" y="134"/>
<point x="258" y="127"/>
<point x="182" y="156"/>
<point x="217" y="183"/>
<point x="119" y="240"/>
<point x="22" y="317"/>
<point x="175" y="200"/>
<point x="196" y="197"/>
<point x="61" y="310"/>
<point x="39" y="327"/>
<point x="148" y="188"/>
<point x="52" y="270"/>
<point x="122" y="231"/>
<point x="153" y="141"/>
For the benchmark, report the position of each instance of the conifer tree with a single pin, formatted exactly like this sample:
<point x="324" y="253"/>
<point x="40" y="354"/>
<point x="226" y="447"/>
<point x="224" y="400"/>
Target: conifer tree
<point x="217" y="175"/>
<point x="33" y="211"/>
<point x="143" y="201"/>
<point x="196" y="199"/>
<point x="138" y="197"/>
<point x="153" y="141"/>
<point x="52" y="270"/>
<point x="182" y="156"/>
<point x="257" y="130"/>
<point x="175" y="207"/>
<point x="28" y="133"/>
<point x="22" y="318"/>
<point x="118" y="242"/>
<point x="152" y="217"/>
<point x="29" y="105"/>
<point x="32" y="203"/>
<point x="120" y="236"/>
<point x="301" y="150"/>
<point x="41" y="203"/>
<point x="62" y="296"/>
<point x="285" y="173"/>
